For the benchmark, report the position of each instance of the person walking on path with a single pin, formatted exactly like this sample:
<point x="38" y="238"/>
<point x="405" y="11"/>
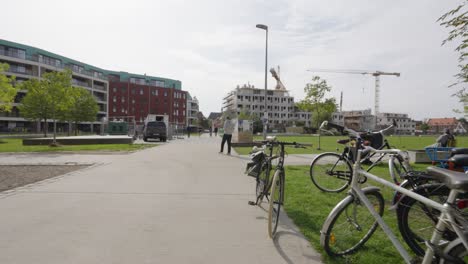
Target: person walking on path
<point x="216" y="131"/>
<point x="228" y="129"/>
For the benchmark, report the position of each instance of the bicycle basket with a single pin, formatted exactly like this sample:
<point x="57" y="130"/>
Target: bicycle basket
<point x="253" y="169"/>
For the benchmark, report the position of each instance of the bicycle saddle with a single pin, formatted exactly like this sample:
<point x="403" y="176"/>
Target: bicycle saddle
<point x="271" y="138"/>
<point x="460" y="160"/>
<point x="453" y="179"/>
<point x="457" y="151"/>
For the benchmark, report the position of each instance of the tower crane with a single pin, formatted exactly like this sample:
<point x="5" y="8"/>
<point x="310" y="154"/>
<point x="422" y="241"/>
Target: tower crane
<point x="376" y="74"/>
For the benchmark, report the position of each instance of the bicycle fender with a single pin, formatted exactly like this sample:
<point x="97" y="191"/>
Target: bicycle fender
<point x="323" y="154"/>
<point x="365" y="190"/>
<point x="328" y="221"/>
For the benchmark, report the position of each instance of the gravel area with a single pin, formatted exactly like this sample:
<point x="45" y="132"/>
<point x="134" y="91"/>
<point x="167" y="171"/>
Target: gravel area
<point x="12" y="176"/>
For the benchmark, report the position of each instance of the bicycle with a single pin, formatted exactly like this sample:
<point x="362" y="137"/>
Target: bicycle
<point x="277" y="187"/>
<point x="260" y="168"/>
<point x="332" y="172"/>
<point x="450" y="217"/>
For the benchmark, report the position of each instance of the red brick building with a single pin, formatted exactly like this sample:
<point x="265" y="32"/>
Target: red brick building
<point x="438" y="125"/>
<point x="140" y="95"/>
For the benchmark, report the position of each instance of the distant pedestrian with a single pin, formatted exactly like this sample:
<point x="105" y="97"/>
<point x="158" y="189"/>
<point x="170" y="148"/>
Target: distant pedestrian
<point x="216" y="131"/>
<point x="188" y="131"/>
<point x="211" y="131"/>
<point x="228" y="129"/>
<point x="446" y="140"/>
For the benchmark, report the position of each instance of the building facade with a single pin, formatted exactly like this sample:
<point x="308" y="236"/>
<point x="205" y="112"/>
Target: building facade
<point x="280" y="105"/>
<point x="405" y="125"/>
<point x="363" y="120"/>
<point x="192" y="110"/>
<point x="117" y="94"/>
<point x="137" y="96"/>
<point x="27" y="62"/>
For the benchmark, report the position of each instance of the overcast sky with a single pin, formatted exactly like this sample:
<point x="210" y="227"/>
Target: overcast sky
<point x="213" y="45"/>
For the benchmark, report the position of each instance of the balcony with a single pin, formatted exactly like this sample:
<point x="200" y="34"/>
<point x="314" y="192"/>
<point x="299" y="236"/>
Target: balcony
<point x="99" y="87"/>
<point x="80" y="83"/>
<point x="25" y="72"/>
<point x="13" y="54"/>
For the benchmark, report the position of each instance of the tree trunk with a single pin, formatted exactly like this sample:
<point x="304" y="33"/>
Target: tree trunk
<point x="54" y="141"/>
<point x="69" y="128"/>
<point x="76" y="128"/>
<point x="46" y="127"/>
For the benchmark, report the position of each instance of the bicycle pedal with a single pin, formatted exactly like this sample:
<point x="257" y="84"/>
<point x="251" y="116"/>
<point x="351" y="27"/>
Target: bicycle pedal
<point x="252" y="203"/>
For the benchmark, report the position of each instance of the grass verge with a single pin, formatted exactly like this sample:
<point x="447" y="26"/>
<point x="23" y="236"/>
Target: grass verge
<point x="328" y="143"/>
<point x="308" y="208"/>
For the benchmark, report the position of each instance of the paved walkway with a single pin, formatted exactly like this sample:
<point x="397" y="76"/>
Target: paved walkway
<point x="181" y="202"/>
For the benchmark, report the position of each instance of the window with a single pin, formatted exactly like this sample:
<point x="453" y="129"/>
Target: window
<point x="124" y="89"/>
<point x="165" y="93"/>
<point x="141" y="91"/>
<point x="114" y="89"/>
<point x="133" y="90"/>
<point x="114" y="99"/>
<point x="123" y="100"/>
<point x="133" y="101"/>
<point x="114" y="110"/>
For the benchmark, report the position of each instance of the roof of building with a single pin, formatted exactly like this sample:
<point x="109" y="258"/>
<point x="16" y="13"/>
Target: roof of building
<point x="448" y="121"/>
<point x="214" y="115"/>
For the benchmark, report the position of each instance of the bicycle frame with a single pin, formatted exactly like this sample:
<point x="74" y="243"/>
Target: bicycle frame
<point x="445" y="220"/>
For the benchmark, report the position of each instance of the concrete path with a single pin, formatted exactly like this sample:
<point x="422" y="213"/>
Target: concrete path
<point x="181" y="202"/>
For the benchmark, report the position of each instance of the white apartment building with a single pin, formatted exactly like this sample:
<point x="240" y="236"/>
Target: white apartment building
<point x="280" y="105"/>
<point x="405" y="125"/>
<point x="363" y="120"/>
<point x="192" y="110"/>
<point x="26" y="62"/>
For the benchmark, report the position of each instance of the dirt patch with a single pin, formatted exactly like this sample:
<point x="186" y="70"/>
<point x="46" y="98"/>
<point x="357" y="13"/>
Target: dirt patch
<point x="12" y="176"/>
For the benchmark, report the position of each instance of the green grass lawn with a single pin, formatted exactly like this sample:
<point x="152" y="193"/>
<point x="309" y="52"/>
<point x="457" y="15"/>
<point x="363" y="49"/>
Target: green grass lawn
<point x="308" y="208"/>
<point x="328" y="143"/>
<point x="16" y="145"/>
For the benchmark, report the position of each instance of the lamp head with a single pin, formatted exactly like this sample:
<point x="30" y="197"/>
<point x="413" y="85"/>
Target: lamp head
<point x="261" y="26"/>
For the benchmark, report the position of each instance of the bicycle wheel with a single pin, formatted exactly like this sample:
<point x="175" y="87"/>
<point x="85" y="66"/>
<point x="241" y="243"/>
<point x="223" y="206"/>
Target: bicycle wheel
<point x="350" y="224"/>
<point x="263" y="181"/>
<point x="276" y="199"/>
<point x="330" y="172"/>
<point x="417" y="221"/>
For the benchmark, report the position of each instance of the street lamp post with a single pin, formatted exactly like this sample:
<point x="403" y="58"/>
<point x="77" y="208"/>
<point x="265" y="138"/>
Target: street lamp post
<point x="265" y="120"/>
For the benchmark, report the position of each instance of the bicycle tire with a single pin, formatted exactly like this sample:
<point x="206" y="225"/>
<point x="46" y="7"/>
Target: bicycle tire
<point x="337" y="242"/>
<point x="416" y="221"/>
<point x="262" y="182"/>
<point x="331" y="172"/>
<point x="276" y="199"/>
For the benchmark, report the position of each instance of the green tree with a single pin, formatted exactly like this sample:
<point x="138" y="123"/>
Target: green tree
<point x="48" y="98"/>
<point x="425" y="127"/>
<point x="83" y="107"/>
<point x="457" y="21"/>
<point x="244" y="115"/>
<point x="33" y="105"/>
<point x="7" y="90"/>
<point x="315" y="102"/>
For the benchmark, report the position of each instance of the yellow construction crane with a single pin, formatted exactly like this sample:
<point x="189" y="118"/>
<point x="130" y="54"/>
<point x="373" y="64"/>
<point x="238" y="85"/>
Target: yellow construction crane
<point x="376" y="74"/>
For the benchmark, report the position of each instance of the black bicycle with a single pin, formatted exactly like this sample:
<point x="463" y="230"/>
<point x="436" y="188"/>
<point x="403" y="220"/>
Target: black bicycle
<point x="272" y="189"/>
<point x="260" y="168"/>
<point x="332" y="172"/>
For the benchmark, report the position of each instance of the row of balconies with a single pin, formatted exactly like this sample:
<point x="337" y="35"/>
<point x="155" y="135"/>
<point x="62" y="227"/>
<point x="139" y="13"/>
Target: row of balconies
<point x="54" y="64"/>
